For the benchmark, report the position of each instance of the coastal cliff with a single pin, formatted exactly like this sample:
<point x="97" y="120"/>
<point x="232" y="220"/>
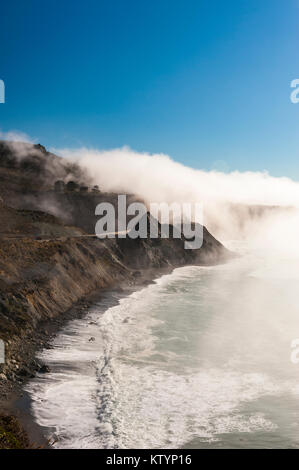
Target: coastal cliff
<point x="49" y="260"/>
<point x="43" y="276"/>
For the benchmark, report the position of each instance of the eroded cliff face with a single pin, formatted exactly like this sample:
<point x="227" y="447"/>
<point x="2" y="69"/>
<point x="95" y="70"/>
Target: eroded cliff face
<point x="41" y="278"/>
<point x="48" y="262"/>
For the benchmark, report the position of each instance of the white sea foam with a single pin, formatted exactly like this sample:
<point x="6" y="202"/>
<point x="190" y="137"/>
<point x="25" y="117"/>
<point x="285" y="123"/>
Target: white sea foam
<point x="144" y="380"/>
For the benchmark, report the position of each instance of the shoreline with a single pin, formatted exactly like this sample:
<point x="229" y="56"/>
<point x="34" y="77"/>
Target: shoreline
<point x="18" y="402"/>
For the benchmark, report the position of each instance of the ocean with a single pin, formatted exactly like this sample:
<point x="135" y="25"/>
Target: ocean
<point x="201" y="358"/>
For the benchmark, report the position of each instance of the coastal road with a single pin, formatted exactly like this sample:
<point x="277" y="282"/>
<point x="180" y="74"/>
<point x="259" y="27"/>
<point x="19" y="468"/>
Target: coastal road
<point x="45" y="238"/>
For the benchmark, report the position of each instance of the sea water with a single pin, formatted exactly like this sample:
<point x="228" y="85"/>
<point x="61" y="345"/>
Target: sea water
<point x="201" y="358"/>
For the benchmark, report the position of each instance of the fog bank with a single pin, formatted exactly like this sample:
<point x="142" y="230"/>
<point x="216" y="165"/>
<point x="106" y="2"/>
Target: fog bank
<point x="229" y="199"/>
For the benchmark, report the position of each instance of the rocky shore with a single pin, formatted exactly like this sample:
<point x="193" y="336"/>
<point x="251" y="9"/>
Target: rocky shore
<point x="21" y="348"/>
<point x="51" y="268"/>
<point x="17" y="426"/>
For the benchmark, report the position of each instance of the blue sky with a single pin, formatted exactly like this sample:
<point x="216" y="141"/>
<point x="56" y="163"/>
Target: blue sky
<point x="207" y="82"/>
